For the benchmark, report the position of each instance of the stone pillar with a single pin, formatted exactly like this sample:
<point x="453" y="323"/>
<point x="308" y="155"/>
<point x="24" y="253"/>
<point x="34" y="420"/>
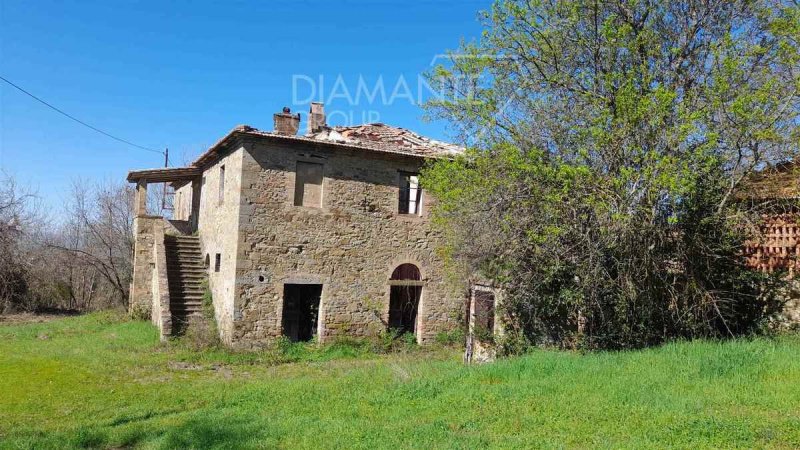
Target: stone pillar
<point x="141" y="292"/>
<point x="141" y="198"/>
<point x="194" y="217"/>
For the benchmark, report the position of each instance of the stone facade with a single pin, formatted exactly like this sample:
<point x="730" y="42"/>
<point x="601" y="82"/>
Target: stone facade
<point x="239" y="197"/>
<point x="218" y="228"/>
<point x="350" y="245"/>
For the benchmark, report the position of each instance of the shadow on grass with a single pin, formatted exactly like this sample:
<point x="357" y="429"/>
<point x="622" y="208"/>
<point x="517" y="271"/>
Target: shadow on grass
<point x="217" y="431"/>
<point x="283" y="351"/>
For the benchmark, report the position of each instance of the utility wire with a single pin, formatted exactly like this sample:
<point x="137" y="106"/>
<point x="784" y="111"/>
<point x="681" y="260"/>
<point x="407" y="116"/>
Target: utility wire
<point x="78" y="120"/>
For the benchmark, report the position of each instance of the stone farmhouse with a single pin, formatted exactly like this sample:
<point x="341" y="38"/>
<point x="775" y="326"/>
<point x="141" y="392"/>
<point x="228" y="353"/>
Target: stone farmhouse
<point x="306" y="236"/>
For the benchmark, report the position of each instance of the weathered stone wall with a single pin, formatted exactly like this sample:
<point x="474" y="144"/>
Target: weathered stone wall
<point x="350" y="245"/>
<point x="161" y="315"/>
<point x="217" y="228"/>
<point x="182" y="202"/>
<point x="149" y="292"/>
<point x="141" y="289"/>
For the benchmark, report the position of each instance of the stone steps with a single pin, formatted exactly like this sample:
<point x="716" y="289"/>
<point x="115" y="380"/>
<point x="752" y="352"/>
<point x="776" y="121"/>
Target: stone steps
<point x="186" y="273"/>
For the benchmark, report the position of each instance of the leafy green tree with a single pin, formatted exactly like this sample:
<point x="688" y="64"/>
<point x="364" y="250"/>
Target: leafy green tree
<point x="609" y="143"/>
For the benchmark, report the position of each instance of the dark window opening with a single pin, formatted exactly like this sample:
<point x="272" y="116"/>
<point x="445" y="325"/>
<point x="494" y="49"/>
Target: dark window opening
<point x="301" y="311"/>
<point x="217" y="262"/>
<point x="308" y="185"/>
<point x="410" y="194"/>
<point x="221" y="184"/>
<point x="207" y="261"/>
<point x="484" y="312"/>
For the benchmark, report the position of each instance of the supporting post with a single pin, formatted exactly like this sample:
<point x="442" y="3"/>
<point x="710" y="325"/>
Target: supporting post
<point x="194" y="217"/>
<point x="164" y="185"/>
<point x="141" y="198"/>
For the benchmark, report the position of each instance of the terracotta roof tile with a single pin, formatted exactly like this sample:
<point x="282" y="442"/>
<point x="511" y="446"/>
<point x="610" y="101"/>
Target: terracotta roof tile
<point x="781" y="181"/>
<point x="380" y="136"/>
<point x="376" y="137"/>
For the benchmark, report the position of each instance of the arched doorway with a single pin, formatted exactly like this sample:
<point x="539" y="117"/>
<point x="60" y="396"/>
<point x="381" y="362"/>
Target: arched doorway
<point x="405" y="292"/>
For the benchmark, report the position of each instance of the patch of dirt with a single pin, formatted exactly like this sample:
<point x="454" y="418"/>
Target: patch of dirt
<point x="217" y="368"/>
<point x="23" y="318"/>
<point x="180" y="365"/>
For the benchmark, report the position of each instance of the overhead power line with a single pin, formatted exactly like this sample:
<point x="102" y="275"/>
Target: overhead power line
<point x="141" y="147"/>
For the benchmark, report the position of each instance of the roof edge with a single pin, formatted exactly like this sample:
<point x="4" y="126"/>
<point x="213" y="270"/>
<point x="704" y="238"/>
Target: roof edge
<point x="246" y="130"/>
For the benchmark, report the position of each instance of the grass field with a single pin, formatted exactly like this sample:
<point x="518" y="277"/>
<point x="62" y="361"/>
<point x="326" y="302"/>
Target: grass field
<point x="99" y="381"/>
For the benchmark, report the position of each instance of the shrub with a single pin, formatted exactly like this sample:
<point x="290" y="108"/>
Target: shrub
<point x="604" y="189"/>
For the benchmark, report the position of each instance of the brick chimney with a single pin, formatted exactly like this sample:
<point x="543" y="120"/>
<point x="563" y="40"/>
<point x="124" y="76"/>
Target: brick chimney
<point x="286" y="123"/>
<point x="316" y="118"/>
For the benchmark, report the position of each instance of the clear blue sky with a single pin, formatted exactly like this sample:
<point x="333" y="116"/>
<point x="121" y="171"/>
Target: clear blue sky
<point x="181" y="74"/>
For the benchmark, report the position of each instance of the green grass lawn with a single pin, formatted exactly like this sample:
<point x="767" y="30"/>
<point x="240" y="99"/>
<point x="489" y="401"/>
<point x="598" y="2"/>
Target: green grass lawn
<point x="98" y="381"/>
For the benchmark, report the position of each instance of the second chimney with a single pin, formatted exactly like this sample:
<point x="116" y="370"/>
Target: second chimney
<point x="286" y="123"/>
<point x="316" y="118"/>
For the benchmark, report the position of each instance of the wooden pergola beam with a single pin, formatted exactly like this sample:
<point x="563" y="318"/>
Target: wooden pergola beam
<point x="165" y="175"/>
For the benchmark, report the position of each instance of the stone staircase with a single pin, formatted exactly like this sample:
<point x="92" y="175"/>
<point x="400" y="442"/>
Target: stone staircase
<point x="186" y="274"/>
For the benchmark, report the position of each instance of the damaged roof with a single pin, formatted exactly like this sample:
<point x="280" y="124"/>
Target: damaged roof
<point x="379" y="136"/>
<point x="780" y="181"/>
<point x="373" y="137"/>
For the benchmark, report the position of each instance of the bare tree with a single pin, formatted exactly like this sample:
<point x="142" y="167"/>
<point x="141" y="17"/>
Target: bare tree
<point x="97" y="236"/>
<point x="20" y="225"/>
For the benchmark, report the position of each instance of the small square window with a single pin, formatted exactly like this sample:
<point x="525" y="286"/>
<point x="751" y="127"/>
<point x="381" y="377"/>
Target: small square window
<point x="410" y="200"/>
<point x="217" y="262"/>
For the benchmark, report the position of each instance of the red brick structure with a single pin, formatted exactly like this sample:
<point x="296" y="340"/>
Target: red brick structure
<point x="776" y="190"/>
<point x="779" y="246"/>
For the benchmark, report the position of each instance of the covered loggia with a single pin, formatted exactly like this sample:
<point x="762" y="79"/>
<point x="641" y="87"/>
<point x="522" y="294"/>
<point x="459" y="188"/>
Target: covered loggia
<point x="164" y="250"/>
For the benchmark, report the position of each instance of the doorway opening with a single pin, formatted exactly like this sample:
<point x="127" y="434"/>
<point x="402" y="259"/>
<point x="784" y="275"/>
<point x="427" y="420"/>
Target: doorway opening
<point x="484" y="314"/>
<point x="301" y="311"/>
<point x="404" y="295"/>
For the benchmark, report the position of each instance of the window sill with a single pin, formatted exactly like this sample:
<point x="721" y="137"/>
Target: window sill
<point x="410" y="217"/>
<point x="308" y="208"/>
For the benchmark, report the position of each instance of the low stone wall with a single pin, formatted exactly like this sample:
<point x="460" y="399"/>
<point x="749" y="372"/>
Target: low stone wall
<point x="149" y="294"/>
<point x="141" y="293"/>
<point x="161" y="315"/>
